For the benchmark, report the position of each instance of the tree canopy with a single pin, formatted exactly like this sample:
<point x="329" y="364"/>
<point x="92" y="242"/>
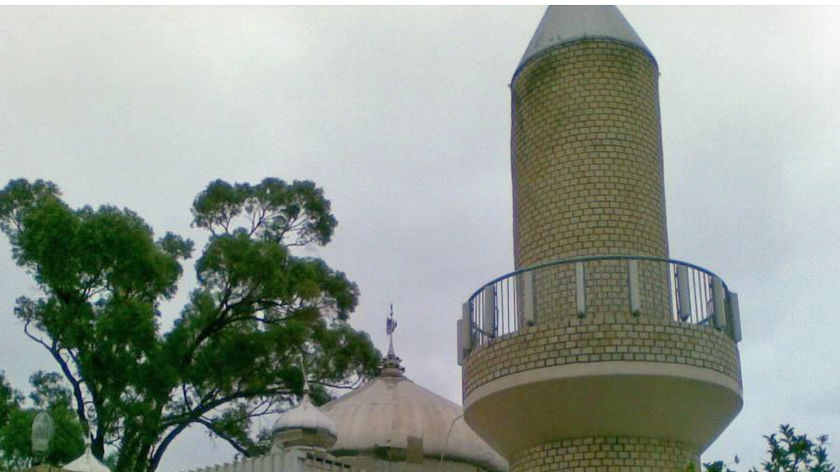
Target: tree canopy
<point x="232" y="351"/>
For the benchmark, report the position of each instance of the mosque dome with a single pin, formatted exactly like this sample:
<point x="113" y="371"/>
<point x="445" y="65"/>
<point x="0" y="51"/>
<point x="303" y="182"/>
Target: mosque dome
<point x="305" y="425"/>
<point x="87" y="462"/>
<point x="391" y="418"/>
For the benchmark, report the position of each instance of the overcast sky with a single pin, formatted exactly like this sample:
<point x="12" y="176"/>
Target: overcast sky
<point x="402" y="116"/>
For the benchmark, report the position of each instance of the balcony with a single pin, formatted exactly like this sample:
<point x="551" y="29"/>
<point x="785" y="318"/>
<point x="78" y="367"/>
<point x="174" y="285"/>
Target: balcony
<point x="629" y="346"/>
<point x="677" y="290"/>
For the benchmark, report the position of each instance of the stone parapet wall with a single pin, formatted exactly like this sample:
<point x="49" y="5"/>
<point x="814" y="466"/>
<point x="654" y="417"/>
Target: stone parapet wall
<point x="602" y="338"/>
<point x="284" y="460"/>
<point x="606" y="454"/>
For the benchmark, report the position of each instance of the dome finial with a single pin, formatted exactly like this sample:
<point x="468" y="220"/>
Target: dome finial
<point x="390" y="326"/>
<point x="303" y="373"/>
<point x="391" y="364"/>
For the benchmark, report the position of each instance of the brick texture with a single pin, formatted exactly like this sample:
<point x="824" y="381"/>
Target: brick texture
<point x="608" y="454"/>
<point x="598" y="339"/>
<point x="587" y="162"/>
<point x="587" y="166"/>
<point x="607" y="289"/>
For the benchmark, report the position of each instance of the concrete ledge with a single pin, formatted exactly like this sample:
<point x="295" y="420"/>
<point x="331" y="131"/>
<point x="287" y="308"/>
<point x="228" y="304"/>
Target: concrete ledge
<point x="688" y="404"/>
<point x="608" y="369"/>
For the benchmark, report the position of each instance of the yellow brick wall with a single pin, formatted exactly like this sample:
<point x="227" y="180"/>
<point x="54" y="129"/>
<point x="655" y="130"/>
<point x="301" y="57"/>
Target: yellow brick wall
<point x="607" y="289"/>
<point x="587" y="163"/>
<point x="608" y="454"/>
<point x="602" y="338"/>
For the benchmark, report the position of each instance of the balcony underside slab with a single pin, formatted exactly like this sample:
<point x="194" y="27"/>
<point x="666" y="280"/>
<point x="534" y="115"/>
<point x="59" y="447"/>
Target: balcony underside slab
<point x="620" y="398"/>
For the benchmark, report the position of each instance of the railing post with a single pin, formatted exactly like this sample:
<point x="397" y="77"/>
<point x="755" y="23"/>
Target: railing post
<point x="464" y="330"/>
<point x="528" y="298"/>
<point x="683" y="300"/>
<point x="580" y="292"/>
<point x="719" y="303"/>
<point x="734" y="313"/>
<point x="633" y="283"/>
<point x="488" y="311"/>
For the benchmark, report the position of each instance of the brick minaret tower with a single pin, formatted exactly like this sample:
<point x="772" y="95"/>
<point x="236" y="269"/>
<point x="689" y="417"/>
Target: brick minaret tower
<point x="599" y="352"/>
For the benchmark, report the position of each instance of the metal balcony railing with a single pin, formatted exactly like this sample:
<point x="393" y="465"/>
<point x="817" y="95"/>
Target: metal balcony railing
<point x="581" y="286"/>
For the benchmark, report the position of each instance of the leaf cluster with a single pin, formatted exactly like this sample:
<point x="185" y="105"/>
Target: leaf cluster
<point x="293" y="214"/>
<point x="788" y="452"/>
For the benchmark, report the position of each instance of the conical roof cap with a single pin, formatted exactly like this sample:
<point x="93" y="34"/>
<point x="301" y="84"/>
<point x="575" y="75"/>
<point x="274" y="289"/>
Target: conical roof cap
<point x="567" y="23"/>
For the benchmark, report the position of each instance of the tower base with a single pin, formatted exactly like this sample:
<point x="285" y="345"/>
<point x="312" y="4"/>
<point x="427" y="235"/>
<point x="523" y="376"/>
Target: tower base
<point x="611" y="454"/>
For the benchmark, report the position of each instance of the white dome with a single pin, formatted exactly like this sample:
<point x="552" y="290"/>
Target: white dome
<point x="87" y="462"/>
<point x="305" y="424"/>
<point x="389" y="409"/>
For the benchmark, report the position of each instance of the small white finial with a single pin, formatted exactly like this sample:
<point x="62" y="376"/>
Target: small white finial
<point x="391" y="363"/>
<point x="303" y="373"/>
<point x="390" y="326"/>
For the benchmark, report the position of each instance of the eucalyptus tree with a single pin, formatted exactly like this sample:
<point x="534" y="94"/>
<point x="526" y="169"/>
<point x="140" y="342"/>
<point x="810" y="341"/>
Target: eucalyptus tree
<point x="231" y="354"/>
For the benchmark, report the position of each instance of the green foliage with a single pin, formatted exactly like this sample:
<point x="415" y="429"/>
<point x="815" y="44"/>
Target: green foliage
<point x="296" y="214"/>
<point x="789" y="452"/>
<point x="9" y="399"/>
<point x="232" y="352"/>
<point x="16" y="423"/>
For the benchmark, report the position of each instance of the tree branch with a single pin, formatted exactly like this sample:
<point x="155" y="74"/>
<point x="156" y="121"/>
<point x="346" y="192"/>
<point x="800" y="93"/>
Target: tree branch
<point x="230" y="440"/>
<point x="55" y="352"/>
<point x="154" y="460"/>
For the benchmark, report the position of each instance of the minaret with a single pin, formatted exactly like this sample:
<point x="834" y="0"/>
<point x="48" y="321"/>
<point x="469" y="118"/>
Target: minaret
<point x="599" y="352"/>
